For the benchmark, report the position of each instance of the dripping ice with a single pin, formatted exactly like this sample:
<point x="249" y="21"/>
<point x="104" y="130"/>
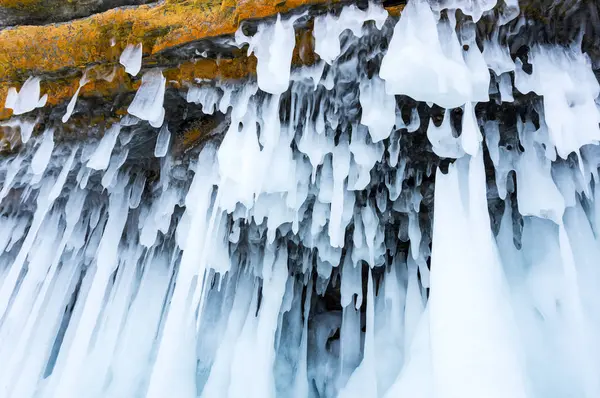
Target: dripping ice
<point x="334" y="239"/>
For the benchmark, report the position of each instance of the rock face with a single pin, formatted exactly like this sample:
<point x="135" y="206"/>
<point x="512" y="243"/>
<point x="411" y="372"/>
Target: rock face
<point x="168" y="32"/>
<point x="60" y="42"/>
<point x="42" y="12"/>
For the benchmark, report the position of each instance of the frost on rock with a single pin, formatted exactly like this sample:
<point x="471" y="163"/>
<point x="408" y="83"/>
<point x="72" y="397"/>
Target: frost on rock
<point x="385" y="223"/>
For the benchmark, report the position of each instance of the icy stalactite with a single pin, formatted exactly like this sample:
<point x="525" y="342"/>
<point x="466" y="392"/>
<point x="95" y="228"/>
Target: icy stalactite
<point x="273" y="45"/>
<point x="131" y="59"/>
<point x="336" y="239"/>
<point x="148" y="101"/>
<point x="26" y="99"/>
<point x="474" y="347"/>
<point x="73" y="101"/>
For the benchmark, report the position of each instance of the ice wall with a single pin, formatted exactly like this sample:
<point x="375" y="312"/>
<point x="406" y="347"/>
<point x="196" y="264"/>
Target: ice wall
<point x="339" y="239"/>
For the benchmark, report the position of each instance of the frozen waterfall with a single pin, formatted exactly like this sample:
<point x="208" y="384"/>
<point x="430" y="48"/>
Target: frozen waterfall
<point x="364" y="226"/>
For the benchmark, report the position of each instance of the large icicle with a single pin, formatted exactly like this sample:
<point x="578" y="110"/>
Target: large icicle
<point x="474" y="342"/>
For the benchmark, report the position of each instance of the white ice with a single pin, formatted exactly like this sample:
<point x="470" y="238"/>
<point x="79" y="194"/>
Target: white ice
<point x="318" y="245"/>
<point x="131" y="59"/>
<point x="26" y="99"/>
<point x="148" y="101"/>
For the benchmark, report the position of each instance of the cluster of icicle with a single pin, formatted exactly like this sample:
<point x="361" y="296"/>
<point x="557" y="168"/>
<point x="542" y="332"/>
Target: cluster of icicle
<point x="205" y="283"/>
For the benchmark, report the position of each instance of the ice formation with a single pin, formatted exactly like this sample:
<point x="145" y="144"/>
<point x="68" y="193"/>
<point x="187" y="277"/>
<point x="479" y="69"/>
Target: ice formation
<point x="337" y="238"/>
<point x="148" y="101"/>
<point x="131" y="59"/>
<point x="26" y="99"/>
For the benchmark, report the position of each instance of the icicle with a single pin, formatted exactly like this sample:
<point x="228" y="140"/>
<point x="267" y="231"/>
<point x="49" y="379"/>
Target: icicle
<point x="148" y="101"/>
<point x="327" y="29"/>
<point x="273" y="46"/>
<point x="506" y="88"/>
<point x="363" y="382"/>
<point x="443" y="139"/>
<point x="71" y="104"/>
<point x="470" y="136"/>
<point x="378" y="109"/>
<point x="473" y="338"/>
<point x="27" y="99"/>
<point x="131" y="59"/>
<point x="416" y="63"/>
<point x="208" y="97"/>
<point x="162" y="142"/>
<point x="41" y="159"/>
<point x="569" y="88"/>
<point x="101" y="157"/>
<point x="305" y="251"/>
<point x="474" y="8"/>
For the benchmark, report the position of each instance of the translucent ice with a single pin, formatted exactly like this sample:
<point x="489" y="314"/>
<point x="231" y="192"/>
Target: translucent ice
<point x="162" y="142"/>
<point x="273" y="46"/>
<point x="569" y="88"/>
<point x="73" y="101"/>
<point x="378" y="109"/>
<point x="327" y="28"/>
<point x="42" y="156"/>
<point x="425" y="62"/>
<point x="101" y="156"/>
<point x="469" y="312"/>
<point x="131" y="59"/>
<point x="148" y="101"/>
<point x="27" y="99"/>
<point x="318" y="244"/>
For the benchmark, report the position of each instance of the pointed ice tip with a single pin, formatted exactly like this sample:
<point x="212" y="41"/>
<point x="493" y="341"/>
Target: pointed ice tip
<point x="11" y="98"/>
<point x="42" y="102"/>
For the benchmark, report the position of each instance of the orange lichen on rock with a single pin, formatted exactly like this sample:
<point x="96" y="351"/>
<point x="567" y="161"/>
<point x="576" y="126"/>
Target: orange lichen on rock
<point x="19" y="3"/>
<point x="108" y="85"/>
<point x="64" y="52"/>
<point x="37" y="50"/>
<point x="64" y="49"/>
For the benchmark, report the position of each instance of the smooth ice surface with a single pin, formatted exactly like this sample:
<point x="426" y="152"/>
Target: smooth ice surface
<point x="26" y="99"/>
<point x="569" y="88"/>
<point x="474" y="340"/>
<point x="73" y="101"/>
<point x="162" y="142"/>
<point x="131" y="59"/>
<point x="423" y="64"/>
<point x="273" y="45"/>
<point x="101" y="156"/>
<point x="148" y="101"/>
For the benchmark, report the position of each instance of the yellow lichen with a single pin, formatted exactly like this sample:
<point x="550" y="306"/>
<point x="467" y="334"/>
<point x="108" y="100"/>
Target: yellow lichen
<point x="63" y="52"/>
